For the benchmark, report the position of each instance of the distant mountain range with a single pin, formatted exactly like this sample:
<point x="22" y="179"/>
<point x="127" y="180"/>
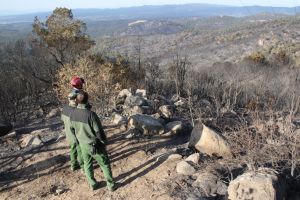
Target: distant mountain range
<point x="158" y="12"/>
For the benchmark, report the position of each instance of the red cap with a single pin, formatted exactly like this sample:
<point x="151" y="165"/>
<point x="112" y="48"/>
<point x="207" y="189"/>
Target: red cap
<point x="77" y="82"/>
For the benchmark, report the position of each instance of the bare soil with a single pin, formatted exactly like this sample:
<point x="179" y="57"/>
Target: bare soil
<point x="140" y="167"/>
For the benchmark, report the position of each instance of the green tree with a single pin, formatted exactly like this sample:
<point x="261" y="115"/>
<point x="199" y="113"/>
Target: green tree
<point x="64" y="37"/>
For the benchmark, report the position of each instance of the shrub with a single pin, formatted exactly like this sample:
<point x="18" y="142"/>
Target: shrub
<point x="257" y="57"/>
<point x="103" y="77"/>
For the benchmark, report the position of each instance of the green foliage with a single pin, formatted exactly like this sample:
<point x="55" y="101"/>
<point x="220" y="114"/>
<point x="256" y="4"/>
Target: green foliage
<point x="63" y="36"/>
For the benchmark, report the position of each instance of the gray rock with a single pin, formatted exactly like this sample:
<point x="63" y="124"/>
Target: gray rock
<point x="185" y="168"/>
<point x="31" y="140"/>
<point x="129" y="111"/>
<point x="174" y="157"/>
<point x="174" y="127"/>
<point x="53" y="113"/>
<point x="210" y="184"/>
<point x="256" y="185"/>
<point x="118" y="119"/>
<point x="141" y="93"/>
<point x="132" y="133"/>
<point x="167" y="111"/>
<point x="146" y="124"/>
<point x="208" y="141"/>
<point x="120" y="100"/>
<point x="179" y="103"/>
<point x="131" y="101"/>
<point x="124" y="93"/>
<point x="193" y="158"/>
<point x="59" y="191"/>
<point x="157" y="116"/>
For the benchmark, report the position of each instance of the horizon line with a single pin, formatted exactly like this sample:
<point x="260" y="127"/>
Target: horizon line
<point x="26" y="12"/>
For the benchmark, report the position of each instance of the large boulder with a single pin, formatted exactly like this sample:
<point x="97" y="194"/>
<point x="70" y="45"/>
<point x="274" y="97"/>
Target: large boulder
<point x="5" y="127"/>
<point x="146" y="124"/>
<point x="167" y="111"/>
<point x="208" y="141"/>
<point x="256" y="185"/>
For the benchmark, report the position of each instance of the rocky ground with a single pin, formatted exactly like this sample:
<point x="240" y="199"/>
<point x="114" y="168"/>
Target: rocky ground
<point x="42" y="170"/>
<point x="156" y="154"/>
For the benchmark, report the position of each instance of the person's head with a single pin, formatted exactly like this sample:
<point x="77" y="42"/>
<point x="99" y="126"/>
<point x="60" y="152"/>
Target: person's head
<point x="72" y="99"/>
<point x="77" y="82"/>
<point x="82" y="97"/>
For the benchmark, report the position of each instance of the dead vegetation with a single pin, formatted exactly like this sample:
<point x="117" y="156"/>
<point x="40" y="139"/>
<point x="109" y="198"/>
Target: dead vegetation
<point x="251" y="97"/>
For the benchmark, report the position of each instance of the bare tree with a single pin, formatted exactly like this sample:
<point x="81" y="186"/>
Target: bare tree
<point x="178" y="72"/>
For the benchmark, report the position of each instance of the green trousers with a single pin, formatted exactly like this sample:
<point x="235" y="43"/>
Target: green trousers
<point x="76" y="156"/>
<point x="102" y="159"/>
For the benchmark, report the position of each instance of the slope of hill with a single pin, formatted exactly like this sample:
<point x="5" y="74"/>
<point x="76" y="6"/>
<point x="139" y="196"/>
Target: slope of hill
<point x="216" y="39"/>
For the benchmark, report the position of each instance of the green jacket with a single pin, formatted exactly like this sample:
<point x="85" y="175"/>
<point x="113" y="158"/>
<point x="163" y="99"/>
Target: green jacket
<point x="87" y="126"/>
<point x="65" y="117"/>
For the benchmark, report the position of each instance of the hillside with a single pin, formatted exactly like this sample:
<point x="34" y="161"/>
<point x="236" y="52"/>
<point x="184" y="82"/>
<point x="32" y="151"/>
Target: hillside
<point x="205" y="42"/>
<point x="159" y="12"/>
<point x="194" y="106"/>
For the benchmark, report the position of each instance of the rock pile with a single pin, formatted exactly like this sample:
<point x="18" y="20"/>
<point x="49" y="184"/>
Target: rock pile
<point x="149" y="117"/>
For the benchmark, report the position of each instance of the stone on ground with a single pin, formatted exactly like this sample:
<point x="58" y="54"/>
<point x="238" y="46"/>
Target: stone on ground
<point x="210" y="184"/>
<point x="131" y="101"/>
<point x="122" y="96"/>
<point x="167" y="111"/>
<point x="53" y="113"/>
<point x="174" y="127"/>
<point x="131" y="133"/>
<point x="185" y="168"/>
<point x="146" y="124"/>
<point x="31" y="140"/>
<point x="257" y="185"/>
<point x="124" y="93"/>
<point x="193" y="158"/>
<point x="118" y="119"/>
<point x="174" y="157"/>
<point x="141" y="93"/>
<point x="208" y="141"/>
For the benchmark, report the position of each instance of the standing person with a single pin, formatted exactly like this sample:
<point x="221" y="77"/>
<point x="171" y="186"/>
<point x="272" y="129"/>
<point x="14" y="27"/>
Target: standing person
<point x="75" y="151"/>
<point x="92" y="141"/>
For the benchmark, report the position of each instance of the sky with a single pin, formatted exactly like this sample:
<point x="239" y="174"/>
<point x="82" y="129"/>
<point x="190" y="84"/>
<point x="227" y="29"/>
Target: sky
<point x="26" y="6"/>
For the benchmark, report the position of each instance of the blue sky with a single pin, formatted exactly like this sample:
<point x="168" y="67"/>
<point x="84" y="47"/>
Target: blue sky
<point x="25" y="6"/>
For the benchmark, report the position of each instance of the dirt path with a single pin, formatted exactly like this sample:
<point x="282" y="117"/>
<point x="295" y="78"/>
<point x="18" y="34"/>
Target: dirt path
<point x="139" y="166"/>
